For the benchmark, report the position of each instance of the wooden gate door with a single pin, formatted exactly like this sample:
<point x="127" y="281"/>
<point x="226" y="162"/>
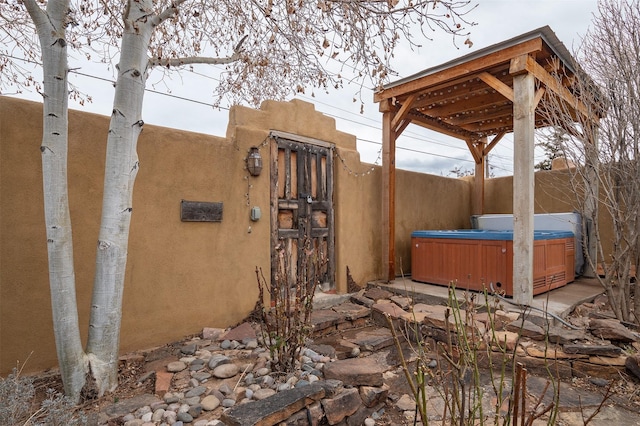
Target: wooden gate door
<point x="302" y="229"/>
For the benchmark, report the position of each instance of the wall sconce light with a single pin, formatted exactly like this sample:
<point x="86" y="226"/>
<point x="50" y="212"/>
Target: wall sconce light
<point x="254" y="161"/>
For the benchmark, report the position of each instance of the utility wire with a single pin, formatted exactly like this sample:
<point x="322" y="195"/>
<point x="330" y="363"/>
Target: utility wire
<point x="409" y="135"/>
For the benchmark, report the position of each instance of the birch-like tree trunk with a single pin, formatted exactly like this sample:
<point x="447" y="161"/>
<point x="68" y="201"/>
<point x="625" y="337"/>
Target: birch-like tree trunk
<point x="289" y="44"/>
<point x="121" y="168"/>
<point x="50" y="25"/>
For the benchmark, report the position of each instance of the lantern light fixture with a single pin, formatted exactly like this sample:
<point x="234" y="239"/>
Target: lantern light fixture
<point x="254" y="161"/>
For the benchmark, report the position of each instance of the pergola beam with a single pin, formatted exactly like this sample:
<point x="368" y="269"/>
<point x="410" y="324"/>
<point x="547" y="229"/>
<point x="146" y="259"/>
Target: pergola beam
<point x="494" y="82"/>
<point x="403" y="111"/>
<point x="442" y="127"/>
<point x="526" y="63"/>
<point x="494" y="142"/>
<point x="457" y="71"/>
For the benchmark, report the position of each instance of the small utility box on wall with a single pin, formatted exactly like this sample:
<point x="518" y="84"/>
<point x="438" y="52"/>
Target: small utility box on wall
<point x="200" y="211"/>
<point x="256" y="214"/>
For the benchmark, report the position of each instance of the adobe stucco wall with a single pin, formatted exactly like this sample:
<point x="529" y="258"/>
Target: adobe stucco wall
<point x="553" y="194"/>
<point x="427" y="202"/>
<point x="183" y="276"/>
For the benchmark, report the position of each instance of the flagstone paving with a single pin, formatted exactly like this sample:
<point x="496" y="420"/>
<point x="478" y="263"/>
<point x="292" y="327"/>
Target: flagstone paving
<point x="350" y="372"/>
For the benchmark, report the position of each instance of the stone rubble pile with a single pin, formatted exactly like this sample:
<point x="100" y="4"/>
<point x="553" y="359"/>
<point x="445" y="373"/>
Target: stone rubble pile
<point x="224" y="377"/>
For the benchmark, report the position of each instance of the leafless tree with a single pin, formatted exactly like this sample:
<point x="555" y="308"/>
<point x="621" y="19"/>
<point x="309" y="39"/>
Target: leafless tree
<point x="270" y="49"/>
<point x="604" y="143"/>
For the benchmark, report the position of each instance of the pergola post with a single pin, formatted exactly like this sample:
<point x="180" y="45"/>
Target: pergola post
<point x="388" y="191"/>
<point x="479" y="178"/>
<point x="591" y="185"/>
<point x="523" y="186"/>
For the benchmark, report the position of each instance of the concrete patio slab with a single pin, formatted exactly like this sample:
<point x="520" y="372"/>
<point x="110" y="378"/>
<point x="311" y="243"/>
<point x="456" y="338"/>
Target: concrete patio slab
<point x="559" y="302"/>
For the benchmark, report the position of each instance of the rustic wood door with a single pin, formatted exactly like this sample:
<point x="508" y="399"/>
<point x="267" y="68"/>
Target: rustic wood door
<point x="302" y="229"/>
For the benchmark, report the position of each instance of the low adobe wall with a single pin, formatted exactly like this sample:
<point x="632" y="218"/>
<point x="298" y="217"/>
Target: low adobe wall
<point x="182" y="276"/>
<point x="554" y="193"/>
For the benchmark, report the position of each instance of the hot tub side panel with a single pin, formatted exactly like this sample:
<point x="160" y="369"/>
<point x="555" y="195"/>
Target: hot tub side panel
<point x="553" y="262"/>
<point x="473" y="264"/>
<point x="469" y="264"/>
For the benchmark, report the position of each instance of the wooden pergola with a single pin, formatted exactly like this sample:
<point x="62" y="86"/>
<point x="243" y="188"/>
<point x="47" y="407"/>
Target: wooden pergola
<point x="479" y="98"/>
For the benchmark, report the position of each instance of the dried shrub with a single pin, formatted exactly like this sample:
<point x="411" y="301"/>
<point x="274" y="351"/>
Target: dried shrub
<point x="285" y="326"/>
<point x="18" y="405"/>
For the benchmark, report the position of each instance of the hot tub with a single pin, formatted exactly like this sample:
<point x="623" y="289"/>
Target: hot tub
<point x="473" y="258"/>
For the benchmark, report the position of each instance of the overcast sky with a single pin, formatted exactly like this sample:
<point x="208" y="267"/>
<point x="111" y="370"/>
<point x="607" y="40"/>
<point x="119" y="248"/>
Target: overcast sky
<point x="188" y="104"/>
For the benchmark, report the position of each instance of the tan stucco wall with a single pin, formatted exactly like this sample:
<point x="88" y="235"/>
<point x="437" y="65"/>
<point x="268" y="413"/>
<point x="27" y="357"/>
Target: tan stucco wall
<point x="426" y="202"/>
<point x="554" y="193"/>
<point x="183" y="276"/>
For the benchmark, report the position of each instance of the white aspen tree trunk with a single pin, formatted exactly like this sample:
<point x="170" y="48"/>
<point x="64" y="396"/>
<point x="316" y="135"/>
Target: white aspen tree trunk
<point x="120" y="172"/>
<point x="54" y="147"/>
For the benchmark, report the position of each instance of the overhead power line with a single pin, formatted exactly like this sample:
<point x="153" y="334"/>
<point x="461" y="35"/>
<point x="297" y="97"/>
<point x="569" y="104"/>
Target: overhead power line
<point x="359" y="122"/>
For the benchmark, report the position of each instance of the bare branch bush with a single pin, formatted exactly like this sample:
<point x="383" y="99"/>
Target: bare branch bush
<point x="450" y="367"/>
<point x="18" y="405"/>
<point x="600" y="134"/>
<point x="285" y="326"/>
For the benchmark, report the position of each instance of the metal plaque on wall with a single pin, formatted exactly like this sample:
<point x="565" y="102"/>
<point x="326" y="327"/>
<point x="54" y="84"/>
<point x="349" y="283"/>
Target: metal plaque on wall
<point x="200" y="211"/>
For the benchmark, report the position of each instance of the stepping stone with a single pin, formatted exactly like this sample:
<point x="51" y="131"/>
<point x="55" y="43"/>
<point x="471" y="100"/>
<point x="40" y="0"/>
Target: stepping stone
<point x="526" y="329"/>
<point x="239" y="333"/>
<point x="390" y="308"/>
<point x="583" y="369"/>
<point x="275" y="409"/>
<point x="370" y="339"/>
<point x="126" y="406"/>
<point x="618" y="361"/>
<point x="437" y="318"/>
<point x="211" y="333"/>
<point x="611" y="330"/>
<point x="342" y="348"/>
<point x="543" y="367"/>
<point x="402" y="301"/>
<point x="422" y="307"/>
<point x="505" y="340"/>
<point x="571" y="397"/>
<point x="586" y="349"/>
<point x="415" y="317"/>
<point x="355" y="371"/>
<point x="406" y="403"/>
<point x="362" y="300"/>
<point x="163" y="382"/>
<point x="562" y="336"/>
<point x="311" y="415"/>
<point x="380" y="310"/>
<point x="322" y="319"/>
<point x="352" y="311"/>
<point x="376" y="293"/>
<point x="633" y="364"/>
<point x="372" y="395"/>
<point x="607" y="415"/>
<point x="342" y="405"/>
<point x="551" y="353"/>
<point x="323" y="349"/>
